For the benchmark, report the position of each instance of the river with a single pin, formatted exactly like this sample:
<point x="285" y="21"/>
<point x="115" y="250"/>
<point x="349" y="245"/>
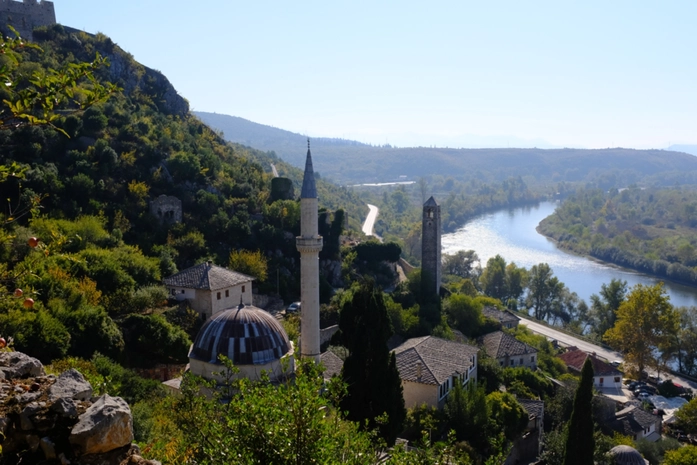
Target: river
<point x="511" y="233"/>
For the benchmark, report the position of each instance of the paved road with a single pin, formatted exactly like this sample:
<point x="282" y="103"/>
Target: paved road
<point x="610" y="355"/>
<point x="370" y="220"/>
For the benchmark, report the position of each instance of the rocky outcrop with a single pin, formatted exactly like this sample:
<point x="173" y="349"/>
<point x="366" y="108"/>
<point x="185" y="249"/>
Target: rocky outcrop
<point x="105" y="426"/>
<point x="46" y="419"/>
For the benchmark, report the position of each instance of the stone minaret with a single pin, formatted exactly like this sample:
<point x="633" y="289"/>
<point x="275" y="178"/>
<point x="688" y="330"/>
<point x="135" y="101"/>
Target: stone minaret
<point x="430" y="247"/>
<point x="309" y="244"/>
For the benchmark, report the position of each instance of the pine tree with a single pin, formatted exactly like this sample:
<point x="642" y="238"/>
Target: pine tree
<point x="580" y="444"/>
<point x="370" y="370"/>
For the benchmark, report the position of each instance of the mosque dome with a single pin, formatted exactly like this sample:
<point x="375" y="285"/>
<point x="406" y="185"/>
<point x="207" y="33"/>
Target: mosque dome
<point x="246" y="335"/>
<point x="626" y="455"/>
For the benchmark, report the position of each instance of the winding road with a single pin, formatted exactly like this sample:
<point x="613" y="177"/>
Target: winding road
<point x="370" y="221"/>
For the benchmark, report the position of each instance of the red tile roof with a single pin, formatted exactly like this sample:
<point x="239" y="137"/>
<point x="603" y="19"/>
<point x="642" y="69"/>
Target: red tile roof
<point x="575" y="359"/>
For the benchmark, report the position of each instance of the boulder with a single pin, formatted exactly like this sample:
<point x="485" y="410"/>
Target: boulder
<point x="72" y="385"/>
<point x="65" y="408"/>
<point x="105" y="426"/>
<point x="19" y="365"/>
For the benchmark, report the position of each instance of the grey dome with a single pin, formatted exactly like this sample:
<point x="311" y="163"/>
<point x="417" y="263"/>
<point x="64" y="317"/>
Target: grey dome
<point x="246" y="335"/>
<point x="626" y="455"/>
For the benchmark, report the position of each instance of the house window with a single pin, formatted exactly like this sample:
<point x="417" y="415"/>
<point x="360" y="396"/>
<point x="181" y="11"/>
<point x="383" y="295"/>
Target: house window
<point x="182" y="291"/>
<point x="174" y="291"/>
<point x="501" y="363"/>
<point x="532" y="359"/>
<point x="521" y="360"/>
<point x="601" y="381"/>
<point x="512" y="362"/>
<point x="218" y="296"/>
<point x="227" y="292"/>
<point x="617" y="379"/>
<point x="242" y="288"/>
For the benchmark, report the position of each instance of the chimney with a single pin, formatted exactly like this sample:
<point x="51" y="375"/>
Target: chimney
<point x="418" y="371"/>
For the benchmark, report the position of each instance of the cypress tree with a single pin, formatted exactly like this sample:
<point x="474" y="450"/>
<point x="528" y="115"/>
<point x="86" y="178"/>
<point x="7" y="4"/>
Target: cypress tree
<point x="370" y="370"/>
<point x="580" y="445"/>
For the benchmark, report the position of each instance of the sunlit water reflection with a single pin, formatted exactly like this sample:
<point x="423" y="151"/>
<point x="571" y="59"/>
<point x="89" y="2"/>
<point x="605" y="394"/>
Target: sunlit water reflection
<point x="512" y="234"/>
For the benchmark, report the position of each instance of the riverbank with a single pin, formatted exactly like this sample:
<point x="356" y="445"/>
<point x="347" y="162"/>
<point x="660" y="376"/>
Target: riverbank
<point x="511" y="233"/>
<point x="608" y="254"/>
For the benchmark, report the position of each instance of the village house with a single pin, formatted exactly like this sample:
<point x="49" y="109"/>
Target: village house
<point x="429" y="368"/>
<point x="509" y="351"/>
<point x="528" y="446"/>
<point x="637" y="423"/>
<point x="505" y="317"/>
<point x="604" y="374"/>
<point x="210" y="289"/>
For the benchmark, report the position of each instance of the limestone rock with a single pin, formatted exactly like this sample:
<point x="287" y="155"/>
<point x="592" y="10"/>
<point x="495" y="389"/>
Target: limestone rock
<point x="19" y="365"/>
<point x="65" y="408"/>
<point x="105" y="426"/>
<point x="71" y="384"/>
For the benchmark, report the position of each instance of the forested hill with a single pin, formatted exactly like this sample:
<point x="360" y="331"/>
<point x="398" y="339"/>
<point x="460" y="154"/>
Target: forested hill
<point x="352" y="162"/>
<point x="79" y="193"/>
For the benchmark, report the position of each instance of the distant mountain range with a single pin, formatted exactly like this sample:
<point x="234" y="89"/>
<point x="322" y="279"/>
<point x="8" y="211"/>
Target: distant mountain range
<point x="351" y="162"/>
<point x="691" y="149"/>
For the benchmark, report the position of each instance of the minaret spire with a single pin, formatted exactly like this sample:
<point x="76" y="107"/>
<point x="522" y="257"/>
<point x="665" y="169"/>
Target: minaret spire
<point x="309" y="244"/>
<point x="309" y="189"/>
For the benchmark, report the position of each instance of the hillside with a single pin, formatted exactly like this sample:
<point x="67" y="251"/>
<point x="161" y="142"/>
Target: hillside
<point x="82" y="189"/>
<point x="350" y="162"/>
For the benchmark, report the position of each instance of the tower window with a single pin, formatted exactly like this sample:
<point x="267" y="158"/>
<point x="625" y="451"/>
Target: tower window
<point x="430" y="213"/>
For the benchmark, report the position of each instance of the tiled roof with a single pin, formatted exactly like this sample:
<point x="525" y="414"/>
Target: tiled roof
<point x="575" y="359"/>
<point x="632" y="420"/>
<point x="533" y="407"/>
<point x="498" y="315"/>
<point x="207" y="276"/>
<point x="499" y="344"/>
<point x="439" y="359"/>
<point x="332" y="364"/>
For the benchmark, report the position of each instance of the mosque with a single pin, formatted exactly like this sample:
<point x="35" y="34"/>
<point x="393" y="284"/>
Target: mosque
<point x="251" y="337"/>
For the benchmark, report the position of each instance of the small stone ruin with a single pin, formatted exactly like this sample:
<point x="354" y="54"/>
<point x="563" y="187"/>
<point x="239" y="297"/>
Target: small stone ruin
<point x="167" y="209"/>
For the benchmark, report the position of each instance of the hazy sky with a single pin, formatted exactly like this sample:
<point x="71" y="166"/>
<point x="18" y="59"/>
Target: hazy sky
<point x="447" y="73"/>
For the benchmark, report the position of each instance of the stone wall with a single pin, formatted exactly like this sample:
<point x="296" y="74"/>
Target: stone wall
<point x="24" y="16"/>
<point x="55" y="419"/>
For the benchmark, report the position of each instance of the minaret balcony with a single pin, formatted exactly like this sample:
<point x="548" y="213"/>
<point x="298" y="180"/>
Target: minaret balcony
<point x="308" y="244"/>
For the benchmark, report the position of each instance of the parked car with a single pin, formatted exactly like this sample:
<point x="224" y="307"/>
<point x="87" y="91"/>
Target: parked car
<point x="294" y="307"/>
<point x="616" y="363"/>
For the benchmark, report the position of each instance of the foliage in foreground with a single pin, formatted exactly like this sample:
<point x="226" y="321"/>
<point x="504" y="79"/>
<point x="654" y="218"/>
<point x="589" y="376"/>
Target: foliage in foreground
<point x="253" y="422"/>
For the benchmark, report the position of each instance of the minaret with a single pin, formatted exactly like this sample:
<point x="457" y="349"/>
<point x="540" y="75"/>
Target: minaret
<point x="309" y="244"/>
<point x="430" y="247"/>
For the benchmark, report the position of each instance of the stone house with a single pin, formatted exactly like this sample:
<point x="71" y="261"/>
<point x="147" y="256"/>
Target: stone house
<point x="429" y="368"/>
<point x="210" y="288"/>
<point x="636" y="423"/>
<point x="509" y="351"/>
<point x="528" y="447"/>
<point x="505" y="317"/>
<point x="604" y="374"/>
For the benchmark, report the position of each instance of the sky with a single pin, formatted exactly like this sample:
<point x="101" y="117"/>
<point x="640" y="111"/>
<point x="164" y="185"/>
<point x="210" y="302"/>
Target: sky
<point x="559" y="73"/>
